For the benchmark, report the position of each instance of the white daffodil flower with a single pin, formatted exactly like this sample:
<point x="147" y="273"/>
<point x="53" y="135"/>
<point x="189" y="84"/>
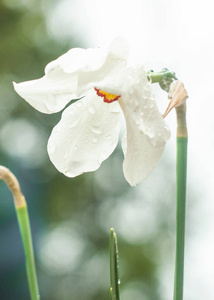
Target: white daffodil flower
<point x="89" y="129"/>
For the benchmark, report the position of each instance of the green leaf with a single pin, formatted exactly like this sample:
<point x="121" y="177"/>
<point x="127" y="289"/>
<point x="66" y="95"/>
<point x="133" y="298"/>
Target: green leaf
<point x="114" y="267"/>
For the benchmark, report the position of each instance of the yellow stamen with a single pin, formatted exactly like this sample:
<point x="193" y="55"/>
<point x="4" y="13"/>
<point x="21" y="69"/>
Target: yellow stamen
<point x="109" y="98"/>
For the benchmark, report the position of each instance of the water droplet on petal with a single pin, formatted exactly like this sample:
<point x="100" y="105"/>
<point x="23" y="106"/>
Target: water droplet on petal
<point x="146" y="88"/>
<point x="78" y="104"/>
<point x="96" y="130"/>
<point x="136" y="103"/>
<point x="137" y="121"/>
<point x="94" y="140"/>
<point x="51" y="147"/>
<point x="108" y="137"/>
<point x="70" y="111"/>
<point x="102" y="156"/>
<point x="74" y="123"/>
<point x="91" y="110"/>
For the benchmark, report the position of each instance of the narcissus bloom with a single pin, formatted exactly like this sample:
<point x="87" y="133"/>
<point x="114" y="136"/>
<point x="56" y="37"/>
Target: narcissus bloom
<point x="89" y="129"/>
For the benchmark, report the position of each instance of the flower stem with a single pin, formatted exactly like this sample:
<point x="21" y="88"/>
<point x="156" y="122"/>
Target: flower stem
<point x="164" y="78"/>
<point x="114" y="267"/>
<point x="180" y="200"/>
<point x="159" y="76"/>
<point x="24" y="226"/>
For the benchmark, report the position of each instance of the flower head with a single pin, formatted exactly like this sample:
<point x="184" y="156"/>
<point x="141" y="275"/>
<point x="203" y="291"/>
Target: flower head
<point x="89" y="129"/>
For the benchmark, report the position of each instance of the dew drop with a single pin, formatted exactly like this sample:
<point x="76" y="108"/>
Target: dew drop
<point x="67" y="173"/>
<point x="51" y="147"/>
<point x="70" y="111"/>
<point x="102" y="156"/>
<point x="96" y="130"/>
<point x="136" y="152"/>
<point x="79" y="104"/>
<point x="94" y="140"/>
<point x="73" y="124"/>
<point x="137" y="121"/>
<point x="91" y="110"/>
<point x="108" y="137"/>
<point x="136" y="103"/>
<point x="154" y="143"/>
<point x="146" y="88"/>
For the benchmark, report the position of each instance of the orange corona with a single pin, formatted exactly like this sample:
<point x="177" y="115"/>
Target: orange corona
<point x="108" y="98"/>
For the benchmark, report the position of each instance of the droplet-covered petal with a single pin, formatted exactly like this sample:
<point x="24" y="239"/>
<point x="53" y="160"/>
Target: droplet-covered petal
<point x="85" y="136"/>
<point x="147" y="132"/>
<point x="140" y="156"/>
<point x="139" y="106"/>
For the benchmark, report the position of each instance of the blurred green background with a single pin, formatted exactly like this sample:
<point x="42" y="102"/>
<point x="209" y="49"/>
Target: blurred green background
<point x="71" y="218"/>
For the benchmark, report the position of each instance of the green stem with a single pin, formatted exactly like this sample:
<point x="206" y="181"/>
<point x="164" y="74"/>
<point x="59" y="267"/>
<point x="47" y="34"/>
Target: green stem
<point x="114" y="267"/>
<point x="164" y="78"/>
<point x="160" y="76"/>
<point x="180" y="201"/>
<point x="24" y="225"/>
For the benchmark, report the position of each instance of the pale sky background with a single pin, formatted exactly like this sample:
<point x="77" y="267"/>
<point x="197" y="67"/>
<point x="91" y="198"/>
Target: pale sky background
<point x="179" y="35"/>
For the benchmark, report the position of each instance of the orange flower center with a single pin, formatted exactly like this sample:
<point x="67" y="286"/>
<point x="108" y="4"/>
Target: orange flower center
<point x="109" y="98"/>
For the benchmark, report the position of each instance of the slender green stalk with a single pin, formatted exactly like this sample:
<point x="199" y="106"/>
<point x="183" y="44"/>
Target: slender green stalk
<point x="180" y="201"/>
<point x="178" y="95"/>
<point x="24" y="226"/>
<point x="114" y="267"/>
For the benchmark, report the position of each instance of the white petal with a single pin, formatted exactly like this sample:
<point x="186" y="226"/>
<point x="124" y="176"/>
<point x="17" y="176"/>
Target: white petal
<point x="139" y="106"/>
<point x="50" y="93"/>
<point x="140" y="156"/>
<point x="72" y="75"/>
<point x="110" y="69"/>
<point x="92" y="66"/>
<point x="147" y="132"/>
<point x="91" y="59"/>
<point x="86" y="135"/>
